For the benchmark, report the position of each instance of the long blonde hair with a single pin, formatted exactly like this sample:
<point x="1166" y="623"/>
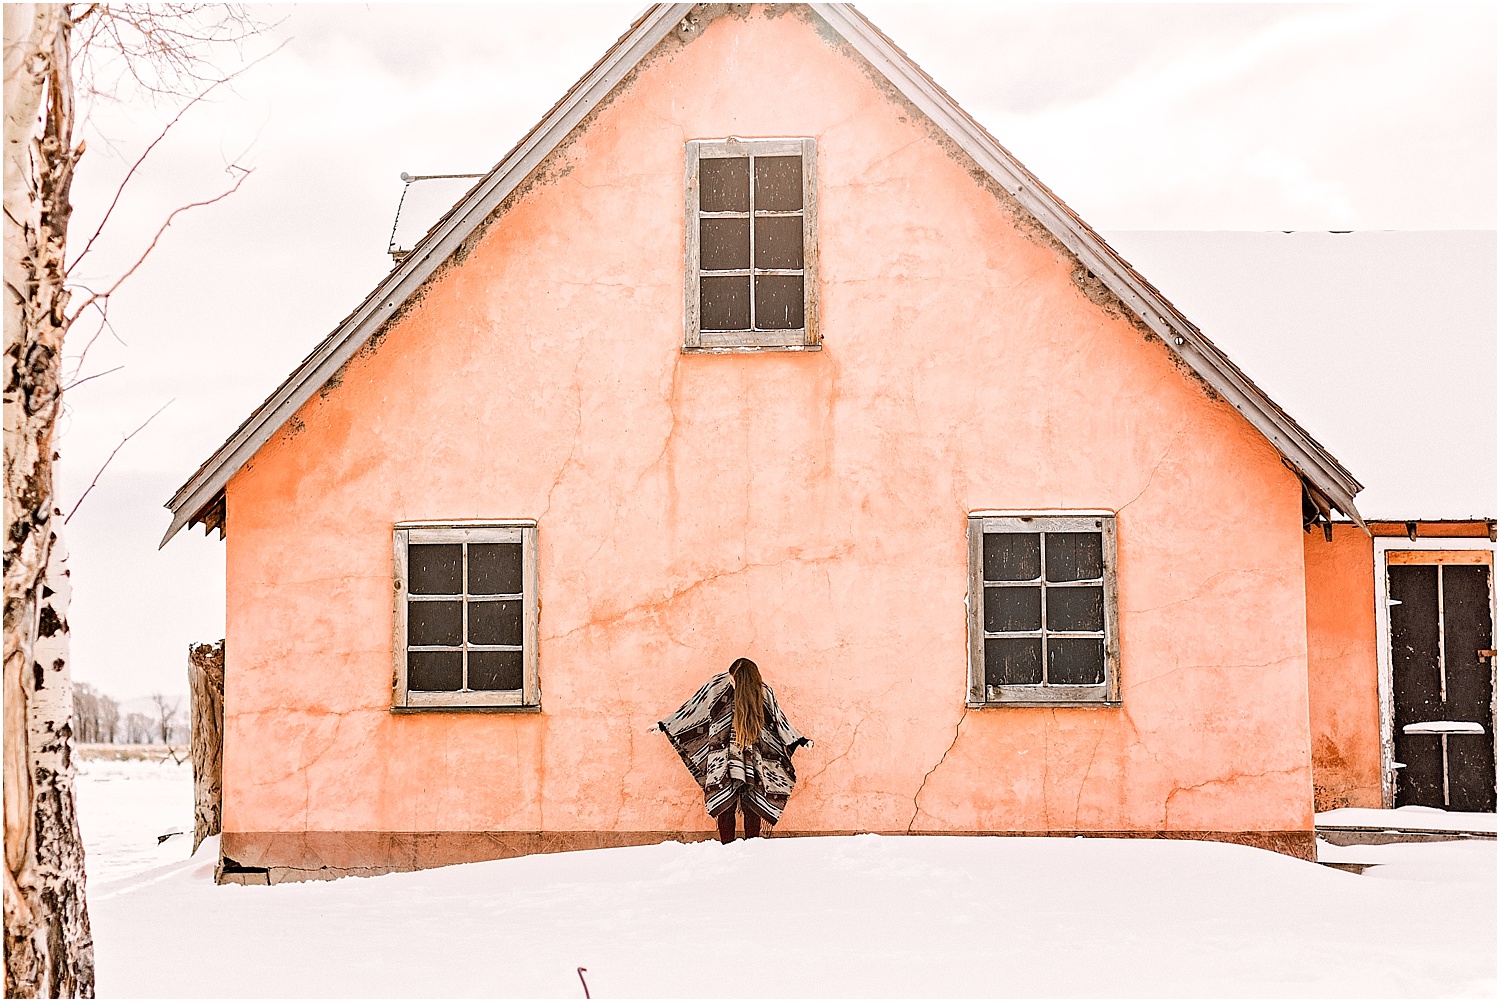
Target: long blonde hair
<point x="749" y="702"/>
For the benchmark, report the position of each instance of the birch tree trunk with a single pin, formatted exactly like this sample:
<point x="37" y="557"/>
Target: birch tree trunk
<point x="48" y="947"/>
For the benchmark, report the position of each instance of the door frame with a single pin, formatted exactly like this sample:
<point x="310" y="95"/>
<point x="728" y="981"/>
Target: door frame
<point x="1383" y="546"/>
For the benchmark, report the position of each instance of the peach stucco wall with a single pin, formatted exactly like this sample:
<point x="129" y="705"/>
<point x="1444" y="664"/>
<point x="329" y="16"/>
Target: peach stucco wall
<point x="806" y="510"/>
<point x="1343" y="690"/>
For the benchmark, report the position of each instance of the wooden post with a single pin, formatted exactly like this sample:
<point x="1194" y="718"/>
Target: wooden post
<point x="206" y="686"/>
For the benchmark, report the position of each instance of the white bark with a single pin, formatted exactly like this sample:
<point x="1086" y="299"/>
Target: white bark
<point x="48" y="947"/>
<point x="28" y="32"/>
<point x="59" y="845"/>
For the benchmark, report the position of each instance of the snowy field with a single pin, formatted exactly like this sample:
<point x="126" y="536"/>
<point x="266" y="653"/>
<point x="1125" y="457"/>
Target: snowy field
<point x="858" y="916"/>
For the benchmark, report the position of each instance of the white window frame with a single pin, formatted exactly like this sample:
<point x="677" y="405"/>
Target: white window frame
<point x="529" y="697"/>
<point x="980" y="693"/>
<point x="808" y="338"/>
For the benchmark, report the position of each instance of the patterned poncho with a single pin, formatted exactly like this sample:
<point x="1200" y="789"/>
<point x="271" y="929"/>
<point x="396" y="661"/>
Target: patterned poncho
<point x="701" y="732"/>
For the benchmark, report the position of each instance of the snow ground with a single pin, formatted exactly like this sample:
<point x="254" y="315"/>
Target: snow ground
<point x="863" y="915"/>
<point x="123" y="807"/>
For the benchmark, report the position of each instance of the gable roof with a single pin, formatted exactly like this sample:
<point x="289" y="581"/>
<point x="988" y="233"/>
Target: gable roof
<point x="1327" y="484"/>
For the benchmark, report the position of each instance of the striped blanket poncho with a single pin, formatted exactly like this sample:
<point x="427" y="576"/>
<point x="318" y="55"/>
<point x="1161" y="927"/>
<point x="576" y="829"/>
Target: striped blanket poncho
<point x="701" y="732"/>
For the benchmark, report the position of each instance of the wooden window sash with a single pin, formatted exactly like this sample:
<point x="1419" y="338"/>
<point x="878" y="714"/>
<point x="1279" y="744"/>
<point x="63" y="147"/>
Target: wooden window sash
<point x="981" y="694"/>
<point x="522" y="532"/>
<point x="808" y="337"/>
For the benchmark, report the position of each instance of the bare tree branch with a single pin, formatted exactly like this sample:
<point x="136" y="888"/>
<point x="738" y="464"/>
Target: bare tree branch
<point x="200" y="96"/>
<point x="244" y="173"/>
<point x="166" y="50"/>
<point x="110" y="458"/>
<point x="79" y="359"/>
<point x="80" y="382"/>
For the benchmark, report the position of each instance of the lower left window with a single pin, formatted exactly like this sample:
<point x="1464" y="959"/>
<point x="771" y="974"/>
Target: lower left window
<point x="466" y="616"/>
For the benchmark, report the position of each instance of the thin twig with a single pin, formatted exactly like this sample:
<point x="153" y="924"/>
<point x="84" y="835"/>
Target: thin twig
<point x="107" y="461"/>
<point x="159" y="137"/>
<point x="244" y="173"/>
<point x="103" y="314"/>
<point x="80" y="382"/>
<point x="164" y="48"/>
<point x="83" y="355"/>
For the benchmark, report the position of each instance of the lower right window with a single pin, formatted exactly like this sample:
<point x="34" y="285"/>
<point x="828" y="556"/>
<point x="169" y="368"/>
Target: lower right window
<point x="1042" y="610"/>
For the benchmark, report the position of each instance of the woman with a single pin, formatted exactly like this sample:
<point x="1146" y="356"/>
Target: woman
<point x="738" y="745"/>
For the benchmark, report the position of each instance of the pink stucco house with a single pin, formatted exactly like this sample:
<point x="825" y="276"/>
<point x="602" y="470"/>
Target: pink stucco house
<point x="759" y="345"/>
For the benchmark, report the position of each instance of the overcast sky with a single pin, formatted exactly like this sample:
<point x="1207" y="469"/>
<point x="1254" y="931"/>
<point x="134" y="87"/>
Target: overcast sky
<point x="1162" y="117"/>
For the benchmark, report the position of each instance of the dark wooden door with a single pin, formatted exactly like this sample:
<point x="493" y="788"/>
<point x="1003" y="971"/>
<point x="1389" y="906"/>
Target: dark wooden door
<point x="1442" y="679"/>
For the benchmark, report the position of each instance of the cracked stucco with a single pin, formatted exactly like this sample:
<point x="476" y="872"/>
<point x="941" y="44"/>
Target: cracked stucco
<point x="806" y="510"/>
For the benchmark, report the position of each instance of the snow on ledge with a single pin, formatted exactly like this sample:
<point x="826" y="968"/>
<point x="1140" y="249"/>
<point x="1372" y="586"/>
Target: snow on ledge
<point x="1444" y="727"/>
<point x="1412" y="819"/>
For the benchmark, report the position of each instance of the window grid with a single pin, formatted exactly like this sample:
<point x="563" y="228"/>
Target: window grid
<point x="990" y="524"/>
<point x="406" y="699"/>
<point x="752" y="215"/>
<point x="696" y="338"/>
<point x="1044" y="633"/>
<point x="465" y="597"/>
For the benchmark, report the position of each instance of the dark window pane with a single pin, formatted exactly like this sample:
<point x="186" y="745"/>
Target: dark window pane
<point x="725" y="302"/>
<point x="778" y="241"/>
<point x="1013" y="661"/>
<point x="435" y="569"/>
<point x="495" y="622"/>
<point x="1012" y="556"/>
<point x="1074" y="660"/>
<point x="1074" y="610"/>
<point x="724" y="184"/>
<point x="1075" y="556"/>
<point x="723" y="244"/>
<point x="1009" y="610"/>
<point x="434" y="671"/>
<point x="778" y="183"/>
<point x="778" y="302"/>
<point x="494" y="669"/>
<point x="494" y="568"/>
<point x="434" y="624"/>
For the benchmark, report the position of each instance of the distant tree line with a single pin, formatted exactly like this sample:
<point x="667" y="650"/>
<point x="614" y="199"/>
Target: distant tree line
<point x="97" y="719"/>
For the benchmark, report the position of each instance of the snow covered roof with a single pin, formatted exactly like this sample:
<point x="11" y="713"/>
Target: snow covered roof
<point x="1383" y="343"/>
<point x="425" y="199"/>
<point x="1326" y="482"/>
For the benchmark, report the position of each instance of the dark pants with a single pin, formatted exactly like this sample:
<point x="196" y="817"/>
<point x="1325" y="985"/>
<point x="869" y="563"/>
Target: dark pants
<point x="726" y="821"/>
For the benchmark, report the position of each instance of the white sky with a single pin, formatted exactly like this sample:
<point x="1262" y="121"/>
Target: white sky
<point x="1161" y="117"/>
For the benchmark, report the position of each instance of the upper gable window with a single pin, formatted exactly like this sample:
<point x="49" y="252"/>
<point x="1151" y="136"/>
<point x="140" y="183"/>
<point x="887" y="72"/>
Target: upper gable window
<point x="1042" y="610"/>
<point x="751" y="245"/>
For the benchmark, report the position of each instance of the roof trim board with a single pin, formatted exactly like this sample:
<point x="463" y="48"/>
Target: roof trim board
<point x="1327" y="483"/>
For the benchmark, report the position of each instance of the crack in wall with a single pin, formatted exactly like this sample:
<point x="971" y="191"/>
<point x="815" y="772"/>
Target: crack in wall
<point x="808" y="780"/>
<point x="673" y="596"/>
<point x="1218" y="781"/>
<point x="1171" y="444"/>
<point x="577" y="436"/>
<point x="1047" y="765"/>
<point x="1173" y="671"/>
<point x="1203" y="586"/>
<point x="1093" y="755"/>
<point x="916" y="799"/>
